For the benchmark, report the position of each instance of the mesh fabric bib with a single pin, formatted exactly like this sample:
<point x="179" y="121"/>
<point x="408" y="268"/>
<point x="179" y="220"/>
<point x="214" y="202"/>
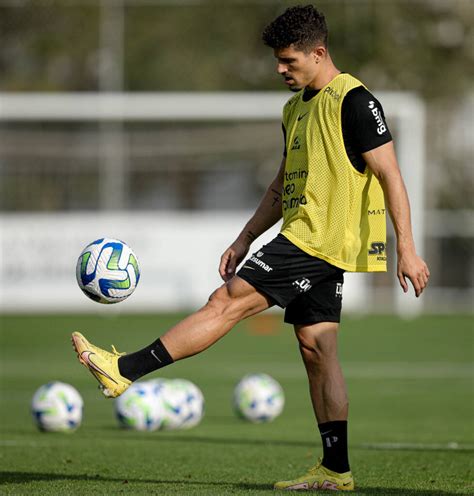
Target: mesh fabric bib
<point x="330" y="210"/>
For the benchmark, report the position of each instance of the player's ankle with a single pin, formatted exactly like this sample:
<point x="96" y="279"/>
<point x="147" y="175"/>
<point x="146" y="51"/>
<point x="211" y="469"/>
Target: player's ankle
<point x="334" y="441"/>
<point x="135" y="365"/>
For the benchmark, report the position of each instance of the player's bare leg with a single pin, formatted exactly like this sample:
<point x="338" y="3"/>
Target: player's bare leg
<point x="318" y="347"/>
<point x="228" y="305"/>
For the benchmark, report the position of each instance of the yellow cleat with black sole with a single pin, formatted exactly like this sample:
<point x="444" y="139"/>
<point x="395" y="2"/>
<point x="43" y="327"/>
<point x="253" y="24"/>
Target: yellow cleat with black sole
<point x="319" y="478"/>
<point x="102" y="364"/>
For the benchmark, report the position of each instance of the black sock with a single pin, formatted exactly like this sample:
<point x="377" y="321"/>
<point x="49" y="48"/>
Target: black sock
<point x="136" y="365"/>
<point x="334" y="439"/>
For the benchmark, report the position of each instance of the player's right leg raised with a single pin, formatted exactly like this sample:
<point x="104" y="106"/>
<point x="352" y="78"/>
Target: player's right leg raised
<point x="227" y="306"/>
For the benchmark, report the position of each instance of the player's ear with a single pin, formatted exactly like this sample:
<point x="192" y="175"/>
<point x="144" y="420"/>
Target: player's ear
<point x="319" y="53"/>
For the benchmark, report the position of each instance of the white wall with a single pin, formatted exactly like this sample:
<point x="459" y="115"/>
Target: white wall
<point x="178" y="253"/>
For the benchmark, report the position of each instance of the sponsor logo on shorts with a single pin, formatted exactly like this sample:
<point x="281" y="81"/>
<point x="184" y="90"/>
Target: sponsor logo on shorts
<point x="338" y="289"/>
<point x="248" y="267"/>
<point x="302" y="285"/>
<point x="260" y="263"/>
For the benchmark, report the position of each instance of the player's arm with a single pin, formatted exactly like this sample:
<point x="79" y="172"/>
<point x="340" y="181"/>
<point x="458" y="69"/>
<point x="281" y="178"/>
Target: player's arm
<point x="268" y="213"/>
<point x="383" y="163"/>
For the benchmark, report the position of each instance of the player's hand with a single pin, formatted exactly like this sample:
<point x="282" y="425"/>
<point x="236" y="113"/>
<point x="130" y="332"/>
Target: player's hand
<point x="231" y="258"/>
<point x="413" y="267"/>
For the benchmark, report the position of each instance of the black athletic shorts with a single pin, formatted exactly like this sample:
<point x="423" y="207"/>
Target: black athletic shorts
<point x="310" y="289"/>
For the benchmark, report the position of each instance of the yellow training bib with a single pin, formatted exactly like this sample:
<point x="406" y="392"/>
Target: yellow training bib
<point x="330" y="210"/>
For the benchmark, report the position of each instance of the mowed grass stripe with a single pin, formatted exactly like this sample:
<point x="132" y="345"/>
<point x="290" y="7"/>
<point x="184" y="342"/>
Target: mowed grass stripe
<point x="366" y="370"/>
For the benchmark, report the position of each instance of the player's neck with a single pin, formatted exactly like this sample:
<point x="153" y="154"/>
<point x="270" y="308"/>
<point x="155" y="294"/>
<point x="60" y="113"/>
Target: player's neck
<point x="328" y="71"/>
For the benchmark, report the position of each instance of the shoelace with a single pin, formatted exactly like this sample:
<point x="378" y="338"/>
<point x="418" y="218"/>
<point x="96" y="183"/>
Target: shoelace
<point x="117" y="353"/>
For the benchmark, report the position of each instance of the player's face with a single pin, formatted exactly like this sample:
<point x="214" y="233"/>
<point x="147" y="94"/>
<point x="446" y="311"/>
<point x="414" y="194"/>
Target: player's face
<point x="298" y="68"/>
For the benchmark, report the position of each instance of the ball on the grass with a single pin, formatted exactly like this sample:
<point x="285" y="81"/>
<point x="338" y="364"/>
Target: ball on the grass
<point x="182" y="402"/>
<point x="258" y="398"/>
<point x="139" y="408"/>
<point x="57" y="407"/>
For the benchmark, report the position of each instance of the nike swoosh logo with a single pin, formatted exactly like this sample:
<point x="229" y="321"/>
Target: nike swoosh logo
<point x="346" y="483"/>
<point x="302" y="116"/>
<point x="153" y="353"/>
<point x="324" y="433"/>
<point x="248" y="267"/>
<point x="86" y="355"/>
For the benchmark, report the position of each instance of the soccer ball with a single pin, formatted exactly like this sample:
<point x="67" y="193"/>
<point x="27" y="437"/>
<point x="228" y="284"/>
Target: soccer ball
<point x="182" y="401"/>
<point x="139" y="407"/>
<point x="57" y="407"/>
<point x="107" y="270"/>
<point x="258" y="398"/>
<point x="193" y="408"/>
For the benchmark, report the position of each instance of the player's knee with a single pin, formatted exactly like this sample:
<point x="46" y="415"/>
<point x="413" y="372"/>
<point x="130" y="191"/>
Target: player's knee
<point x="222" y="305"/>
<point x="311" y="354"/>
<point x="318" y="345"/>
<point x="218" y="301"/>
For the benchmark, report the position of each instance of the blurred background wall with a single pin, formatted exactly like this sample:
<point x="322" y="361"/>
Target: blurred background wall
<point x="83" y="168"/>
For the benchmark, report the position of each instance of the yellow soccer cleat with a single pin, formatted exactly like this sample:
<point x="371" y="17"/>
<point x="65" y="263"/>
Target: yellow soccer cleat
<point x="319" y="478"/>
<point x="102" y="364"/>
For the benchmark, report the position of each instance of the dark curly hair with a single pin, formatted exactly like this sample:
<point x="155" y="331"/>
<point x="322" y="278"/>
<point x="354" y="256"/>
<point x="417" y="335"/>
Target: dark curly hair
<point x="302" y="26"/>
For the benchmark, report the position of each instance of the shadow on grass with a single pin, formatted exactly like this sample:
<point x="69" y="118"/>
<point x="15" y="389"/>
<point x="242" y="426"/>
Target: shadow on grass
<point x="28" y="477"/>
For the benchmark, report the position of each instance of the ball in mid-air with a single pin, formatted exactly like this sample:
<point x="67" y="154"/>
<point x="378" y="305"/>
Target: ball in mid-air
<point x="258" y="398"/>
<point x="107" y="270"/>
<point x="57" y="407"/>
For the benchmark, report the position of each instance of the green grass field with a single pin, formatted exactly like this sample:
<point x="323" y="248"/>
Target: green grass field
<point x="411" y="396"/>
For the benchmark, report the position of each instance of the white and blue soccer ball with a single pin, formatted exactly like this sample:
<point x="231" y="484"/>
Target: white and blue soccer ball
<point x="182" y="402"/>
<point x="139" y="407"/>
<point x="107" y="270"/>
<point x="57" y="407"/>
<point x="258" y="398"/>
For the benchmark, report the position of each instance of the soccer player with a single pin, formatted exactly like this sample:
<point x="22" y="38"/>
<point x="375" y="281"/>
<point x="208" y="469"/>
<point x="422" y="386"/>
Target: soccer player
<point x="338" y="167"/>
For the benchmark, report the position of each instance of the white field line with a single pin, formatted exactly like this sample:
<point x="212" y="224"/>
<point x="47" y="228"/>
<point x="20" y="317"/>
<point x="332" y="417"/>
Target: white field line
<point x="356" y="370"/>
<point x="453" y="446"/>
<point x="396" y="370"/>
<point x="19" y="442"/>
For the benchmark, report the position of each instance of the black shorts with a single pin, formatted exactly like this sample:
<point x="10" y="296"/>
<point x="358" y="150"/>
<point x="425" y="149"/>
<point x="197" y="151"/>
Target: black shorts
<point x="310" y="289"/>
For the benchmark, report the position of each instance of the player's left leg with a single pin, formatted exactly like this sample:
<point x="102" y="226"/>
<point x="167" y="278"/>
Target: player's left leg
<point x="318" y="347"/>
